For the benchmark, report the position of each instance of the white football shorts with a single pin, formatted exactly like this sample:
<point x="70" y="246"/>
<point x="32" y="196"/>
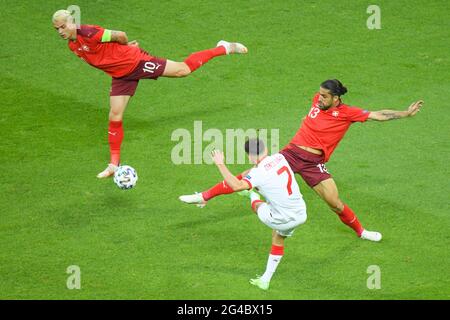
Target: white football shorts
<point x="284" y="227"/>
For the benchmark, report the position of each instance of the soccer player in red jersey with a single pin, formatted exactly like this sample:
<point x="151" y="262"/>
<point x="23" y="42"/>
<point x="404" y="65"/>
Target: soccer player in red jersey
<point x="126" y="63"/>
<point x="320" y="133"/>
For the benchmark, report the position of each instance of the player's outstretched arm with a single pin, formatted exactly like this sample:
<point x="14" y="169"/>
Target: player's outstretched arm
<point x="122" y="38"/>
<point x="116" y="36"/>
<point x="230" y="179"/>
<point x="384" y="115"/>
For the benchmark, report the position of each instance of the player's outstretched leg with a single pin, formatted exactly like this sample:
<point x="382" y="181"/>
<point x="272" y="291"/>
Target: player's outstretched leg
<point x="233" y="47"/>
<point x="198" y="59"/>
<point x="348" y="217"/>
<point x="371" y="235"/>
<point x="328" y="191"/>
<point x="195" y="198"/>
<point x="200" y="199"/>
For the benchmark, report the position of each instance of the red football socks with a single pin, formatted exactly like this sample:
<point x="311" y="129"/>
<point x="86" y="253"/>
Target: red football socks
<point x="218" y="189"/>
<point x="115" y="137"/>
<point x="254" y="203"/>
<point x="277" y="250"/>
<point x="349" y="218"/>
<point x="197" y="59"/>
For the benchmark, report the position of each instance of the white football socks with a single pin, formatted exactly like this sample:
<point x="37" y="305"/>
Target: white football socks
<point x="272" y="264"/>
<point x="254" y="196"/>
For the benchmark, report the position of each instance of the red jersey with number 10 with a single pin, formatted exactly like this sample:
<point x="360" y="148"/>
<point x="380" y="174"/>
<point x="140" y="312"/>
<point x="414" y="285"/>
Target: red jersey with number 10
<point x="324" y="129"/>
<point x="115" y="59"/>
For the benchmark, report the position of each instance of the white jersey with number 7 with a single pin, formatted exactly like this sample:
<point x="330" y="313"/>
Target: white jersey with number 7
<point x="274" y="179"/>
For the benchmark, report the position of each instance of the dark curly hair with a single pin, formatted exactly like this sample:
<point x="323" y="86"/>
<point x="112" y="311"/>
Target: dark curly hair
<point x="335" y="86"/>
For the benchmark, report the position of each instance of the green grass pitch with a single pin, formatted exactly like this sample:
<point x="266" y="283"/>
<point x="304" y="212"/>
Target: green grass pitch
<point x="145" y="244"/>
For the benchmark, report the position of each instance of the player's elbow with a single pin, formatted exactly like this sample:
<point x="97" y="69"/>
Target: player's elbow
<point x="236" y="188"/>
<point x="239" y="187"/>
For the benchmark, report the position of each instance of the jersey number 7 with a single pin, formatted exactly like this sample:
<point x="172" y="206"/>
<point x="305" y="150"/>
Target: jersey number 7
<point x="289" y="184"/>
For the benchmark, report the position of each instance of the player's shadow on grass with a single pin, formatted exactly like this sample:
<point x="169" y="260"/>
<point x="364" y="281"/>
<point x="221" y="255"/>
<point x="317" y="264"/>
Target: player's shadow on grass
<point x="210" y="216"/>
<point x="66" y="112"/>
<point x="174" y="121"/>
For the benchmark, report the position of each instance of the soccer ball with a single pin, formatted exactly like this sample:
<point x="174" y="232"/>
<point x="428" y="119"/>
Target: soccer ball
<point x="125" y="177"/>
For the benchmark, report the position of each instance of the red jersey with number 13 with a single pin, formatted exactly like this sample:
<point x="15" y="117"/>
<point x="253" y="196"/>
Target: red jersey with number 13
<point x="324" y="129"/>
<point x="115" y="59"/>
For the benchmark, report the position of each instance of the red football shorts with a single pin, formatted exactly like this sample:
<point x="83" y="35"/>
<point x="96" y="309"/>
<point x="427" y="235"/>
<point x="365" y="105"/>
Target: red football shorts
<point x="151" y="68"/>
<point x="309" y="165"/>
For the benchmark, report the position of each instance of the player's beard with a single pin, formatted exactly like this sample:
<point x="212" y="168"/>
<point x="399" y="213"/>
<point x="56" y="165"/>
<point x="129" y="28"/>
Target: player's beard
<point x="322" y="107"/>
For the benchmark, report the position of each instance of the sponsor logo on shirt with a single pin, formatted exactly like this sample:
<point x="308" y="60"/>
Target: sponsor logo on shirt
<point x="273" y="163"/>
<point x="248" y="177"/>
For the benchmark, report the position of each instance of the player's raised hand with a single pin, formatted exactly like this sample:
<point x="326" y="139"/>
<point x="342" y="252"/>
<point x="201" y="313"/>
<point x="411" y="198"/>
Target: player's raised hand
<point x="414" y="108"/>
<point x="133" y="43"/>
<point x="217" y="157"/>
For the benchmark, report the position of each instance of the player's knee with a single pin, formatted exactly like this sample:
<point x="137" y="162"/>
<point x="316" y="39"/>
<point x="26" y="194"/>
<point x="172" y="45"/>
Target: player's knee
<point x="183" y="72"/>
<point x="336" y="205"/>
<point x="115" y="115"/>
